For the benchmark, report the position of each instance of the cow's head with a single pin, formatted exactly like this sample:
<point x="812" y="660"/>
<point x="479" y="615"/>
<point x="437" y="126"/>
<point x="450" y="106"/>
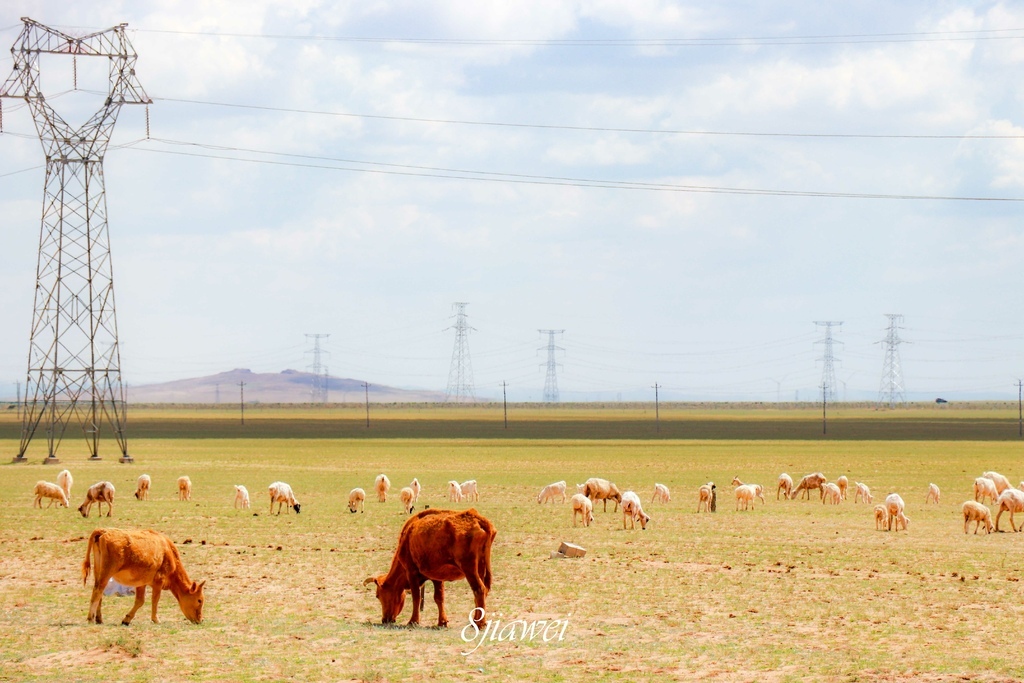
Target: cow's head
<point x="191" y="602"/>
<point x="391" y="600"/>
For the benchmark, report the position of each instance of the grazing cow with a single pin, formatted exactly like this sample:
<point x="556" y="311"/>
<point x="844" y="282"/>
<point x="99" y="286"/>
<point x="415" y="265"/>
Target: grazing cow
<point x="45" y="489"/>
<point x="581" y="505"/>
<point x="142" y="487"/>
<point x="241" y="497"/>
<point x="65" y="480"/>
<point x="469" y="490"/>
<point x="1010" y="500"/>
<point x="184" y="488"/>
<point x="382" y="485"/>
<point x="99" y="493"/>
<point x="785" y="486"/>
<point x="454" y="491"/>
<point x="661" y="494"/>
<point x="933" y="494"/>
<point x="281" y="493"/>
<point x="356" y="500"/>
<point x="416" y="488"/>
<point x="808" y="482"/>
<point x="601" y="489"/>
<point x="407" y="496"/>
<point x="139" y="559"/>
<point x="437" y="545"/>
<point x="632" y="509"/>
<point x="551" y="491"/>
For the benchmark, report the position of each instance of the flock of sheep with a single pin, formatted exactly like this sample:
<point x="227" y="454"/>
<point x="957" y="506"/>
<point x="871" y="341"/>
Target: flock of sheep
<point x="990" y="485"/>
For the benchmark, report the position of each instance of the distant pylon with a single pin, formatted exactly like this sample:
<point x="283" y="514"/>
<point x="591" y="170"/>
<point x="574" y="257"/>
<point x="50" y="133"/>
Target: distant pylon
<point x="460" y="376"/>
<point x="891" y="391"/>
<point x="318" y="391"/>
<point x="74" y="362"/>
<point x="828" y="370"/>
<point x="551" y="378"/>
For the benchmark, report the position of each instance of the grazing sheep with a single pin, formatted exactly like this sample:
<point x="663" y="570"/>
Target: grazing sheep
<point x="661" y="494"/>
<point x="831" y="493"/>
<point x="843" y="483"/>
<point x="894" y="506"/>
<point x="356" y="499"/>
<point x="382" y="485"/>
<point x="601" y="489"/>
<point x="45" y="489"/>
<point x="281" y="493"/>
<point x="704" y="496"/>
<point x="408" y="497"/>
<point x="142" y="487"/>
<point x="99" y="493"/>
<point x="933" y="494"/>
<point x="581" y="505"/>
<point x="881" y="518"/>
<point x="785" y="486"/>
<point x="65" y="480"/>
<point x="454" y="491"/>
<point x="1001" y="482"/>
<point x="977" y="513"/>
<point x="1010" y="500"/>
<point x="745" y="494"/>
<point x="580" y="488"/>
<point x="551" y="491"/>
<point x="416" y="488"/>
<point x="985" y="488"/>
<point x="808" y="482"/>
<point x="241" y="497"/>
<point x="469" y="490"/>
<point x="184" y="488"/>
<point x="863" y="493"/>
<point x="632" y="508"/>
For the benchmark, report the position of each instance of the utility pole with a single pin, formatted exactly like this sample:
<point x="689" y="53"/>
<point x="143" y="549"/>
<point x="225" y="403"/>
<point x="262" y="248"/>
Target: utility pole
<point x="1020" y="409"/>
<point x="216" y="394"/>
<point x="824" y="410"/>
<point x="460" y="375"/>
<point x="366" y="388"/>
<point x="74" y="364"/>
<point x="241" y="400"/>
<point x="551" y="377"/>
<point x="657" y="415"/>
<point x="891" y="392"/>
<point x="318" y="392"/>
<point x="504" y="401"/>
<point x="828" y="371"/>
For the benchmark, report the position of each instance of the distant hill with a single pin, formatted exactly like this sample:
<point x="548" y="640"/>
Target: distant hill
<point x="290" y="386"/>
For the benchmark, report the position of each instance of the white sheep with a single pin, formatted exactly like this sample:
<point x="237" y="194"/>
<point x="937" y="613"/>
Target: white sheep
<point x="454" y="491"/>
<point x="1001" y="482"/>
<point x="382" y="485"/>
<point x="356" y="499"/>
<point x="661" y="494"/>
<point x="99" y="493"/>
<point x="584" y="507"/>
<point x="184" y="488"/>
<point x="65" y="481"/>
<point x="881" y="518"/>
<point x="552" y="491"/>
<point x="985" y="488"/>
<point x="45" y="489"/>
<point x="142" y="487"/>
<point x="785" y="486"/>
<point x="831" y="494"/>
<point x="745" y="495"/>
<point x="407" y="496"/>
<point x="469" y="490"/>
<point x="863" y="493"/>
<point x="241" y="497"/>
<point x="933" y="494"/>
<point x="281" y="493"/>
<point x="1010" y="500"/>
<point x="977" y="513"/>
<point x="416" y="488"/>
<point x="632" y="509"/>
<point x="894" y="505"/>
<point x="843" y="483"/>
<point x="704" y="496"/>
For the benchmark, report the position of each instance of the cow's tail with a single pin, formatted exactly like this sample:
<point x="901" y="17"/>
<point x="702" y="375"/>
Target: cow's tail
<point x="93" y="539"/>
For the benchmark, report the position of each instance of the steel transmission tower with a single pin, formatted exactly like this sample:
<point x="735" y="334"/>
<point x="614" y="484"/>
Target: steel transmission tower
<point x="460" y="376"/>
<point x="828" y="371"/>
<point x="891" y="391"/>
<point x="551" y="378"/>
<point x="318" y="392"/>
<point x="74" y="363"/>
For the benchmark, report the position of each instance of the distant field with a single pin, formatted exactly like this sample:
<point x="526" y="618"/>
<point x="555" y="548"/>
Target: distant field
<point x="790" y="590"/>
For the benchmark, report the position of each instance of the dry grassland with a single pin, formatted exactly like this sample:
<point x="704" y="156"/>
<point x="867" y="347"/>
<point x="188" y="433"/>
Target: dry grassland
<point x="788" y="591"/>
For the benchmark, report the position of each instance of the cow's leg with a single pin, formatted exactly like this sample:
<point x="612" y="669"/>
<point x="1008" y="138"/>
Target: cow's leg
<point x="140" y="597"/>
<point x="442" y="617"/>
<point x="96" y="603"/>
<point x="414" y="589"/>
<point x="479" y="592"/>
<point x="156" y="601"/>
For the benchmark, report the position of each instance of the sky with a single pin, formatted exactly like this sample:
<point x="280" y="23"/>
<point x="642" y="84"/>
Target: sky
<point x="355" y="168"/>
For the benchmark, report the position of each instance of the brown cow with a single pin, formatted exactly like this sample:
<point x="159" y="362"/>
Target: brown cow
<point x="439" y="545"/>
<point x="140" y="559"/>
